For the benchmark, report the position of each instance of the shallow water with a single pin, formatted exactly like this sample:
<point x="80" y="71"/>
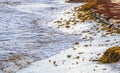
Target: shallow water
<point x="23" y="29"/>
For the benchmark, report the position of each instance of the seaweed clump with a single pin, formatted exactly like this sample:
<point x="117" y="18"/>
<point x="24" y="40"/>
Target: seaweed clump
<point x="84" y="12"/>
<point x="109" y="30"/>
<point x="77" y="1"/>
<point x="87" y="12"/>
<point x="112" y="55"/>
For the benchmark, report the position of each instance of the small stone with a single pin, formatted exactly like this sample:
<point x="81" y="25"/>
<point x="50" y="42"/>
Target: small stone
<point x="56" y="65"/>
<point x="67" y="26"/>
<point x="82" y="59"/>
<point x="74" y="48"/>
<point x="76" y="43"/>
<point x="78" y="57"/>
<point x="98" y="54"/>
<point x="54" y="62"/>
<point x="77" y="63"/>
<point x="81" y="53"/>
<point x="107" y="41"/>
<point x="68" y="56"/>
<point x="49" y="60"/>
<point x="104" y="69"/>
<point x="86" y="45"/>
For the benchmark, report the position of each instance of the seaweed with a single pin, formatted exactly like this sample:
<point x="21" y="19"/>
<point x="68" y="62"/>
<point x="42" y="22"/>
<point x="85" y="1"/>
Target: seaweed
<point x="112" y="55"/>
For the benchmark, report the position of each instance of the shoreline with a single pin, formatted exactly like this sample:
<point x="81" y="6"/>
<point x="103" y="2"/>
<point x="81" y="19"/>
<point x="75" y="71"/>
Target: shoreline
<point x="82" y="56"/>
<point x="26" y="37"/>
<point x="83" y="35"/>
